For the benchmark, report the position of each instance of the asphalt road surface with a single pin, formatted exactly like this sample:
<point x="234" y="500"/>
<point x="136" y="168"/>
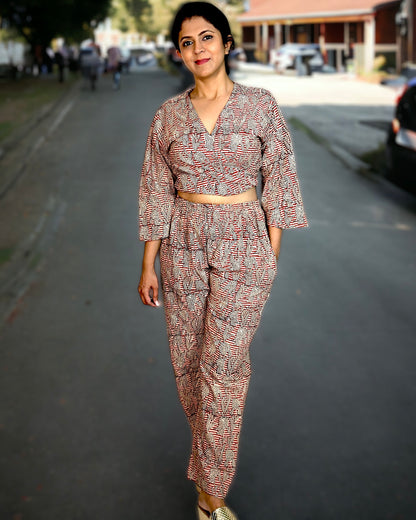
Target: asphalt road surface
<point x="90" y="426"/>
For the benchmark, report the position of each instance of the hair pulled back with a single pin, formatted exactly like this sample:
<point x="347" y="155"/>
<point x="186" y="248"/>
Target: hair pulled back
<point x="211" y="14"/>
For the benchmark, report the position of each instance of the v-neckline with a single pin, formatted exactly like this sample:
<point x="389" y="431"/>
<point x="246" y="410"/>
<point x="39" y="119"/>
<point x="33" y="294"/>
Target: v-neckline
<point x="214" y="128"/>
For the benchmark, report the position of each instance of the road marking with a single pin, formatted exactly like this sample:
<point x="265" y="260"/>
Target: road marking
<point x="60" y="118"/>
<point x="37" y="145"/>
<point x="398" y="226"/>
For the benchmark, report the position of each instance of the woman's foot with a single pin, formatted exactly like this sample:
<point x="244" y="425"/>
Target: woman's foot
<point x="209" y="502"/>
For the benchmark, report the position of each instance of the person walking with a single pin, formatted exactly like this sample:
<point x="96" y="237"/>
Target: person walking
<point x="90" y="63"/>
<point x="218" y="243"/>
<point x="114" y="65"/>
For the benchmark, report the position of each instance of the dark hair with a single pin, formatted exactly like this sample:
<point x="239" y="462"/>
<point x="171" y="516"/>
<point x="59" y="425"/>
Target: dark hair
<point x="211" y="14"/>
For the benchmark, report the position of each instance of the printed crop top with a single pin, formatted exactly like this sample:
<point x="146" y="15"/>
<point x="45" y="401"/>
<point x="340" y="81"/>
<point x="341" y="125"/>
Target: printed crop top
<point x="250" y="138"/>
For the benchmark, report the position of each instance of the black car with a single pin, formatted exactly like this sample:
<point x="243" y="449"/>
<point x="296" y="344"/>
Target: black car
<point x="401" y="140"/>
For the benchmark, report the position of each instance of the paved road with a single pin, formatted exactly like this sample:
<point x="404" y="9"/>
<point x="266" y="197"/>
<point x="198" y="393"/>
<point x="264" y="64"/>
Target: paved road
<point x="90" y="424"/>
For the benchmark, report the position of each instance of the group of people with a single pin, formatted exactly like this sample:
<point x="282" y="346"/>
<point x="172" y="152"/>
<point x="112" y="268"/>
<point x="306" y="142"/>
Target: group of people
<point x="92" y="64"/>
<point x="218" y="244"/>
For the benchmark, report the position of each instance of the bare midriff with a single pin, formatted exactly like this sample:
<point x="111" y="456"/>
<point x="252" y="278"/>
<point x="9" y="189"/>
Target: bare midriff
<point x="202" y="198"/>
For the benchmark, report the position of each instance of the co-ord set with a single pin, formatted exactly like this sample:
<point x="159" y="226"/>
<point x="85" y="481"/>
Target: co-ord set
<point x="217" y="263"/>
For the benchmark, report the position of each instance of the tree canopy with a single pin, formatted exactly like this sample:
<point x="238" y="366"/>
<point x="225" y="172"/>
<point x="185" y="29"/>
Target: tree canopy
<point x="39" y="21"/>
<point x="154" y="17"/>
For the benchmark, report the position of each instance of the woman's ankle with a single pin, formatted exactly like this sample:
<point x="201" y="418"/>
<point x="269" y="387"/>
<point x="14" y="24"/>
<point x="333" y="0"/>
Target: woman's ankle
<point x="209" y="502"/>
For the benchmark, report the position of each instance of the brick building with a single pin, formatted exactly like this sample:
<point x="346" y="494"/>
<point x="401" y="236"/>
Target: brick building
<point x="346" y="29"/>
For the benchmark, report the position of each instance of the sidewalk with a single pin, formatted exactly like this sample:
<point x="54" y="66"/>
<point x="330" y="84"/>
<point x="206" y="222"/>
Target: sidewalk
<point x="349" y="116"/>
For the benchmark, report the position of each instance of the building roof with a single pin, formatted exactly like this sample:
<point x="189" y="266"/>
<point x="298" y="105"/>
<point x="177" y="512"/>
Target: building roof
<point x="284" y="9"/>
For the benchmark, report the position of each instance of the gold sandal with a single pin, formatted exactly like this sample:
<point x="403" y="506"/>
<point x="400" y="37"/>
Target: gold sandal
<point x="202" y="514"/>
<point x="222" y="513"/>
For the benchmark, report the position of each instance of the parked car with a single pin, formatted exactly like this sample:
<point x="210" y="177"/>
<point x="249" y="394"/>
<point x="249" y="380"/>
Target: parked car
<point x="401" y="140"/>
<point x="235" y="57"/>
<point x="304" y="57"/>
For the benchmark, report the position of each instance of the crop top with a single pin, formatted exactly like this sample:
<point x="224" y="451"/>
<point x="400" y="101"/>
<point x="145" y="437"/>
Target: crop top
<point x="250" y="138"/>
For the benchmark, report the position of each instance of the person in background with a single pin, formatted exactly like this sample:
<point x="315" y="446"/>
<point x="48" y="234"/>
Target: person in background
<point x="61" y="59"/>
<point x="219" y="245"/>
<point x="90" y="63"/>
<point x="114" y="65"/>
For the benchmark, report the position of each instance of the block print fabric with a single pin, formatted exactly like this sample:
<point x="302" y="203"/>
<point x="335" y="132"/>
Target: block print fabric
<point x="217" y="268"/>
<point x="250" y="140"/>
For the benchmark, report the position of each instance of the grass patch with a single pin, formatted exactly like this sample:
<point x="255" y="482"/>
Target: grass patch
<point x="21" y="99"/>
<point x="376" y="159"/>
<point x="5" y="254"/>
<point x="6" y="128"/>
<point x="297" y="123"/>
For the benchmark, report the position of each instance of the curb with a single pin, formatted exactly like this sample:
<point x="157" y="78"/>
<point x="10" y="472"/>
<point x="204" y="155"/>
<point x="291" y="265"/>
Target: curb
<point x="11" y="145"/>
<point x="346" y="157"/>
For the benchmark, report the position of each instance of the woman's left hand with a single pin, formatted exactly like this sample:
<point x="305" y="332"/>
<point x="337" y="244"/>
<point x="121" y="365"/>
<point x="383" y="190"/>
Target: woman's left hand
<point x="275" y="235"/>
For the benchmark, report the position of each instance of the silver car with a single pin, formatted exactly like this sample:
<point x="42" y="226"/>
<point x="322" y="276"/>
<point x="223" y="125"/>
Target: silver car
<point x="304" y="57"/>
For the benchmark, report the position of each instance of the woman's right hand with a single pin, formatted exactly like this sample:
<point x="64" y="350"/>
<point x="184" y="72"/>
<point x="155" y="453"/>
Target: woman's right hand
<point x="149" y="287"/>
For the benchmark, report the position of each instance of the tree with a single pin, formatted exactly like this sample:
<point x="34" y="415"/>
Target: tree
<point x="154" y="17"/>
<point x="137" y="10"/>
<point x="39" y="21"/>
<point x="121" y="17"/>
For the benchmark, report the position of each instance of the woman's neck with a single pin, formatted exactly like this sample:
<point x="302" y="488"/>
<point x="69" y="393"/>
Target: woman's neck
<point x="212" y="88"/>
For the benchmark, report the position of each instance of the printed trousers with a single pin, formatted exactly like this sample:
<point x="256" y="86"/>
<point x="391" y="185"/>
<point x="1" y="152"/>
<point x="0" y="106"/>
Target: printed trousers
<point x="217" y="269"/>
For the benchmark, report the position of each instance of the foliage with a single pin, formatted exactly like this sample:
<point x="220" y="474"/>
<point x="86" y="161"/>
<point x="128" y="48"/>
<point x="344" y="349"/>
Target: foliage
<point x="137" y="9"/>
<point x="154" y="17"/>
<point x="121" y="17"/>
<point x="39" y="21"/>
<point x="157" y="19"/>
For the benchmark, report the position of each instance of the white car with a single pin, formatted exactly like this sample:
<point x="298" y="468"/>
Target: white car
<point x="304" y="57"/>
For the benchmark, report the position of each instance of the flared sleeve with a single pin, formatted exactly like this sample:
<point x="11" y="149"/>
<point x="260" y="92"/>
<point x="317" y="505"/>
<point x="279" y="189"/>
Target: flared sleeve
<point x="281" y="196"/>
<point x="157" y="191"/>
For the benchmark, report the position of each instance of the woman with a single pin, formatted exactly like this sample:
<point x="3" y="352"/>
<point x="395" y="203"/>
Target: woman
<point x="198" y="204"/>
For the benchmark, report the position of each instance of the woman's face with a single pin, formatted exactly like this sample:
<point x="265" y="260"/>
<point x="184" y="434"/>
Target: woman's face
<point x="201" y="47"/>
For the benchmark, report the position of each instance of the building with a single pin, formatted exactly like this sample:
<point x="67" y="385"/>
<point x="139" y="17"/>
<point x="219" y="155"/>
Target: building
<point x="358" y="30"/>
<point x="106" y="36"/>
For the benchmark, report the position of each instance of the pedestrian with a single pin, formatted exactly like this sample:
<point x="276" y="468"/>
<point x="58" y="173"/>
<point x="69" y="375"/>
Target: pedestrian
<point x="114" y="65"/>
<point x="218" y="244"/>
<point x="61" y="60"/>
<point x="90" y="64"/>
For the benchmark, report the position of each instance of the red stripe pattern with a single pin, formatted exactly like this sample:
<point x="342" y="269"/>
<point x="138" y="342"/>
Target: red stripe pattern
<point x="217" y="268"/>
<point x="250" y="139"/>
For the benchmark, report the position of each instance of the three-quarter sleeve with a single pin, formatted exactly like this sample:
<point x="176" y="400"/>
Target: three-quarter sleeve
<point x="157" y="191"/>
<point x="281" y="198"/>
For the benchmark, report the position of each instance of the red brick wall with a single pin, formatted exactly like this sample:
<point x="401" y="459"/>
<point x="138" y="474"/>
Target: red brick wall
<point x="386" y="25"/>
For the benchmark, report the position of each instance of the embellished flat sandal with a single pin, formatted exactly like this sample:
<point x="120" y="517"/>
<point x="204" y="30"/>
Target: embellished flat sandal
<point x="222" y="513"/>
<point x="202" y="514"/>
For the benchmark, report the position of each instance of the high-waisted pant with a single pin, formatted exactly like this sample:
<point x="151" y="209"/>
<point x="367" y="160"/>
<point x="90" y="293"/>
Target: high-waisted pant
<point x="217" y="268"/>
